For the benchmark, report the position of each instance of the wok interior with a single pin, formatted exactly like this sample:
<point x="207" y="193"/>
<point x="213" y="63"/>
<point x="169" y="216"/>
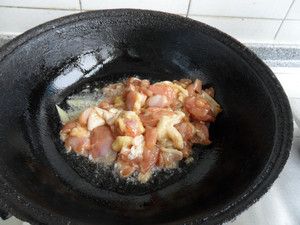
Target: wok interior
<point x="47" y="70"/>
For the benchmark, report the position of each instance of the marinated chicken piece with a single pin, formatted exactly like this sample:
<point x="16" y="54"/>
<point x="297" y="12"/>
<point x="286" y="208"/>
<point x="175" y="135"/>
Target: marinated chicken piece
<point x="163" y="89"/>
<point x="134" y="81"/>
<point x="129" y="158"/>
<point x="142" y="86"/>
<point x="94" y="117"/>
<point x="94" y="120"/>
<point x="187" y="150"/>
<point x="210" y="91"/>
<point x="121" y="142"/>
<point x="169" y="157"/>
<point x="135" y="101"/>
<point x="123" y="154"/>
<point x="195" y="87"/>
<point x="151" y="115"/>
<point x="125" y="168"/>
<point x="101" y="145"/>
<point x="158" y="101"/>
<point x="137" y="83"/>
<point x="199" y="108"/>
<point x="181" y="92"/>
<point x="137" y="148"/>
<point x="129" y="124"/>
<point x="84" y="116"/>
<point x="215" y="107"/>
<point x="150" y="157"/>
<point x="186" y="129"/>
<point x="150" y="137"/>
<point x="79" y="131"/>
<point x="146" y="91"/>
<point x="166" y="130"/>
<point x="78" y="144"/>
<point x="202" y="135"/>
<point x="67" y="129"/>
<point x="185" y="82"/>
<point x="77" y="139"/>
<point x="110" y="115"/>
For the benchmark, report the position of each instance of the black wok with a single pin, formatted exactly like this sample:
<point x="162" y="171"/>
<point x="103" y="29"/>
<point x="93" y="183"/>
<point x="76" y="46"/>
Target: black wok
<point x="42" y="184"/>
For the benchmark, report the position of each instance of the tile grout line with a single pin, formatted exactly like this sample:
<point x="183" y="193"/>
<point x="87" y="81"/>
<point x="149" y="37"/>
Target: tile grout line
<point x="41" y="8"/>
<point x="287" y="12"/>
<point x="292" y="19"/>
<point x="188" y="9"/>
<point x="80" y="5"/>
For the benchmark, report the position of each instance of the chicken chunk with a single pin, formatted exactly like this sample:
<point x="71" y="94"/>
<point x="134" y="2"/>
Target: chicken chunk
<point x="135" y="101"/>
<point x="101" y="145"/>
<point x="169" y="157"/>
<point x="129" y="124"/>
<point x="77" y="138"/>
<point x="166" y="130"/>
<point x="121" y="142"/>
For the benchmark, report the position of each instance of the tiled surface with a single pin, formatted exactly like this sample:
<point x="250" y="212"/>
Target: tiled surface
<point x="255" y="21"/>
<point x="58" y="4"/>
<point x="172" y="6"/>
<point x="294" y="12"/>
<point x="241" y="8"/>
<point x="25" y="19"/>
<point x="245" y="30"/>
<point x="289" y="32"/>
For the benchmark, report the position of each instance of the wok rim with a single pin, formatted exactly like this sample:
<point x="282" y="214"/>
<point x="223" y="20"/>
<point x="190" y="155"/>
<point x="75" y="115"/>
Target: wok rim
<point x="281" y="146"/>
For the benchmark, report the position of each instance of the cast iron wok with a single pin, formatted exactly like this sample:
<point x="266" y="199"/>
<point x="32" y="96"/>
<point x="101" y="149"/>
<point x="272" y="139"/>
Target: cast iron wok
<point x="42" y="184"/>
